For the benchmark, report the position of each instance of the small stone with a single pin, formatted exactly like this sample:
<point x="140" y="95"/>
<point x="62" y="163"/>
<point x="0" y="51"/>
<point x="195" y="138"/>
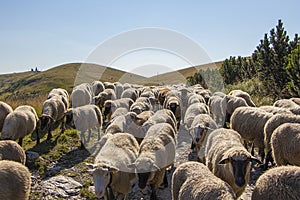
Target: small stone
<point x="31" y="155"/>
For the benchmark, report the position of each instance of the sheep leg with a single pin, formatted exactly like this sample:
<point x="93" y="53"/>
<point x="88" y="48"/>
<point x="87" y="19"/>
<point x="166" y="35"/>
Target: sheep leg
<point x="99" y="133"/>
<point x="178" y="123"/>
<point x="261" y="152"/>
<point x="63" y="125"/>
<point x="193" y="145"/>
<point x="89" y="135"/>
<point x="252" y="149"/>
<point x="49" y="134"/>
<point x="37" y="136"/>
<point x="165" y="183"/>
<point x="110" y="193"/>
<point x="20" y="141"/>
<point x="82" y="140"/>
<point x="153" y="192"/>
<point x="268" y="159"/>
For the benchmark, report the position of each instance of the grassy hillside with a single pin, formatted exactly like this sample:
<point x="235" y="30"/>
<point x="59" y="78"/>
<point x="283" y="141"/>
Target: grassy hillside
<point x="181" y="75"/>
<point x="31" y="88"/>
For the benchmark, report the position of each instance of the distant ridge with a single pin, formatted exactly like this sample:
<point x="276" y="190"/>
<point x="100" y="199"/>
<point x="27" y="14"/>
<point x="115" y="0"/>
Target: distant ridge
<point x="32" y="84"/>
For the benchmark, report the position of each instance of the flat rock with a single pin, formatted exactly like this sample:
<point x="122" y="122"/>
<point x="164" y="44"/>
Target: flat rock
<point x="61" y="187"/>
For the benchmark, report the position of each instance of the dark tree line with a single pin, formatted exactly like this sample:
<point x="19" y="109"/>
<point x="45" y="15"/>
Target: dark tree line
<point x="275" y="62"/>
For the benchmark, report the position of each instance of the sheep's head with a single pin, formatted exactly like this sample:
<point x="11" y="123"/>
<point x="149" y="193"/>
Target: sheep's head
<point x="239" y="166"/>
<point x="69" y="118"/>
<point x="102" y="174"/>
<point x="199" y="133"/>
<point x="46" y="121"/>
<point x="173" y="106"/>
<point x="107" y="108"/>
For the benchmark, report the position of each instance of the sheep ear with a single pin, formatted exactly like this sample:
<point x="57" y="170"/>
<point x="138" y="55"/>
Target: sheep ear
<point x="224" y="161"/>
<point x="255" y="160"/>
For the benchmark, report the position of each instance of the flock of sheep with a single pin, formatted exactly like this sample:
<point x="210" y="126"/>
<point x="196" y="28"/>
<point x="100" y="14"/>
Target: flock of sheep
<point x="141" y="125"/>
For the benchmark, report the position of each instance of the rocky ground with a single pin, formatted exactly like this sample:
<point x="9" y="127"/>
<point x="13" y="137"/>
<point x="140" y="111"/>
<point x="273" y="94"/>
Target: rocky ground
<point x="67" y="176"/>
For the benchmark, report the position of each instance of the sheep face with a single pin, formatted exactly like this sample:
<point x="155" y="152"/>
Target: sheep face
<point x="69" y="119"/>
<point x="107" y="108"/>
<point x="199" y="133"/>
<point x="173" y="106"/>
<point x="239" y="165"/>
<point x="46" y="120"/>
<point x="102" y="175"/>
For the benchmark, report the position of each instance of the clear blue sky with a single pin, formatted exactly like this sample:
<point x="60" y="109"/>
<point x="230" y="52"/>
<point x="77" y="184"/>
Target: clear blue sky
<point x="48" y="33"/>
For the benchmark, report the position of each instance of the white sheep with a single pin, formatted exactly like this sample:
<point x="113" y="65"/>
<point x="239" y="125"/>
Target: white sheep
<point x="162" y="93"/>
<point x="162" y="127"/>
<point x="275" y="110"/>
<point x="97" y="87"/>
<point x="140" y="106"/>
<point x="157" y="152"/>
<point x="184" y="94"/>
<point x="195" y="98"/>
<point x="217" y="104"/>
<point x="244" y="95"/>
<point x="109" y="85"/>
<point x="232" y="104"/>
<point x="130" y="93"/>
<point x="119" y="89"/>
<point x="5" y="109"/>
<point x="201" y="126"/>
<point x="160" y="116"/>
<point x="118" y="112"/>
<point x="10" y="150"/>
<point x="81" y="95"/>
<point x="194" y="110"/>
<point x="110" y="169"/>
<point x="295" y="100"/>
<point x="193" y="180"/>
<point x="107" y="94"/>
<point x="173" y="103"/>
<point x="111" y="105"/>
<point x="85" y="118"/>
<point x="274" y="122"/>
<point x="288" y="104"/>
<point x="203" y="92"/>
<point x="228" y="159"/>
<point x="249" y="122"/>
<point x="285" y="142"/>
<point x="61" y="93"/>
<point x="19" y="123"/>
<point x="15" y="180"/>
<point x="278" y="183"/>
<point x="53" y="111"/>
<point x="128" y="123"/>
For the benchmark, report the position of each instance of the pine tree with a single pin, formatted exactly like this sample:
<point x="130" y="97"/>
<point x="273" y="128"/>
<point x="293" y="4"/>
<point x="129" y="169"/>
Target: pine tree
<point x="280" y="46"/>
<point x="293" y="70"/>
<point x="265" y="65"/>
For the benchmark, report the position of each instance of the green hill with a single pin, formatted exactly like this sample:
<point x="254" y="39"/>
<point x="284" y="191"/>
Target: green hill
<point x="32" y="87"/>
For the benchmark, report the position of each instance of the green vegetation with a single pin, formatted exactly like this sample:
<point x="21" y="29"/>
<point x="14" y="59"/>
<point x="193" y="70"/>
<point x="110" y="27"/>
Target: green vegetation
<point x="272" y="72"/>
